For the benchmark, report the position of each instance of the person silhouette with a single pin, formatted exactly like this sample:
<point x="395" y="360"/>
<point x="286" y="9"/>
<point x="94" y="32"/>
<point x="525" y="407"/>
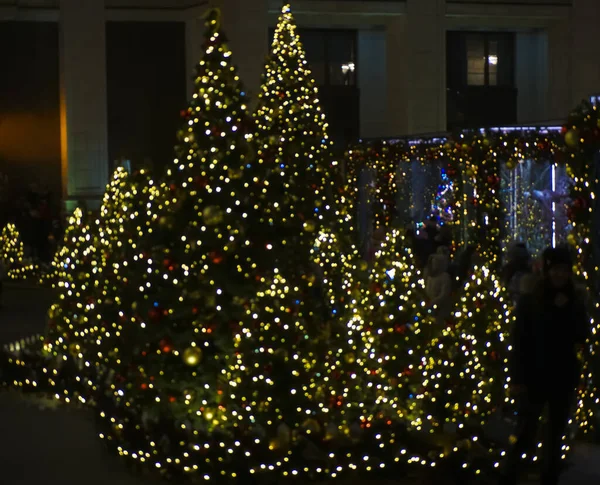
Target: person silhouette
<point x="551" y="326"/>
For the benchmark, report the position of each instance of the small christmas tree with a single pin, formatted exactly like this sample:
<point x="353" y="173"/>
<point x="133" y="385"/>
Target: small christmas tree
<point x="69" y="317"/>
<point x="463" y="370"/>
<point x="443" y="203"/>
<point x="113" y="211"/>
<point x="401" y="321"/>
<point x="12" y="246"/>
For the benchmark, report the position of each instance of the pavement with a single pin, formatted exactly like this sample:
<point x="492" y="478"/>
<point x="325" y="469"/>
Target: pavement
<point x="42" y="442"/>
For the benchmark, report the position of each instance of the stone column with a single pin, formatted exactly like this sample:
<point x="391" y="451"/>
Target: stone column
<point x="246" y="25"/>
<point x="398" y="89"/>
<point x="372" y="82"/>
<point x="426" y="70"/>
<point x="83" y="98"/>
<point x="560" y="99"/>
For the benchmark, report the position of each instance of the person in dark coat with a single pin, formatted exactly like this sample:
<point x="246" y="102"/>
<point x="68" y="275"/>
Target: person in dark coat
<point x="551" y="326"/>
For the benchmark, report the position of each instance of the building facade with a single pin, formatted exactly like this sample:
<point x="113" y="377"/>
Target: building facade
<point x="385" y="68"/>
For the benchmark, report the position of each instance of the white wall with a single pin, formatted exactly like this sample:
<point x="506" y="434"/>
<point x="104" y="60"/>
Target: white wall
<point x="559" y="70"/>
<point x="532" y="76"/>
<point x="372" y="82"/>
<point x="397" y="88"/>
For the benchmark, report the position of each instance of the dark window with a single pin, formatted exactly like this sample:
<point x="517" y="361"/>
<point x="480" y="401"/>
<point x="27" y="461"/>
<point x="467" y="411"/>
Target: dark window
<point x="145" y="71"/>
<point x="481" y="79"/>
<point x="30" y="149"/>
<point x="331" y="55"/>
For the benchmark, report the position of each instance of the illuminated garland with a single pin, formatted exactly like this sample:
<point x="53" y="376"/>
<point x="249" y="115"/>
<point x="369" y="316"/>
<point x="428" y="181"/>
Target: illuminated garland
<point x="472" y="158"/>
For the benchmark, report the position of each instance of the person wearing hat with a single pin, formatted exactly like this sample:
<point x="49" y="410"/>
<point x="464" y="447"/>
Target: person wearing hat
<point x="551" y="326"/>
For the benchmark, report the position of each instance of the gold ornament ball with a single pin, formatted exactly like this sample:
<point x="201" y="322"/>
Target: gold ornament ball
<point x="572" y="240"/>
<point x="510" y="164"/>
<point x="235" y="173"/>
<point x="74" y="348"/>
<point x="281" y="354"/>
<point x="572" y="138"/>
<point x="310" y="226"/>
<point x="192" y="356"/>
<point x="52" y="312"/>
<point x="470" y="173"/>
<point x="486" y="142"/>
<point x="350" y="358"/>
<point x="320" y="393"/>
<point x="212" y="215"/>
<point x="311" y="425"/>
<point x="363" y="265"/>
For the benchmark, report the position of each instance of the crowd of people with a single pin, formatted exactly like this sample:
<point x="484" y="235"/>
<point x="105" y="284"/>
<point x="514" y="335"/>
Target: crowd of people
<point x="548" y="339"/>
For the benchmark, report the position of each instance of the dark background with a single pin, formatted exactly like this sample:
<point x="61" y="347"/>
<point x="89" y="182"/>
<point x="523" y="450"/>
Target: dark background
<point x="29" y="103"/>
<point x="146" y="87"/>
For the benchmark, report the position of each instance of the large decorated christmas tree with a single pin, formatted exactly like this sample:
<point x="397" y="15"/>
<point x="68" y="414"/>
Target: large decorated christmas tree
<point x="291" y="379"/>
<point x="183" y="284"/>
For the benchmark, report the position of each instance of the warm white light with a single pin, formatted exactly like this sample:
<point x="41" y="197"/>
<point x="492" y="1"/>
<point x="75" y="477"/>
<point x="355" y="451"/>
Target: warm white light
<point x="349" y="67"/>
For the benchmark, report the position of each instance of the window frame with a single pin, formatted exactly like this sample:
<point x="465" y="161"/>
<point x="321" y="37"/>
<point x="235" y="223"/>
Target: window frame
<point x="488" y="38"/>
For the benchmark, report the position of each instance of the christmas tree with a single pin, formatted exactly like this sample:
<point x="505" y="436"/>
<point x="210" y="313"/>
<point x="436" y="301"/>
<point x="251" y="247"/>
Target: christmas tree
<point x="443" y="203"/>
<point x="11" y="247"/>
<point x="463" y="369"/>
<point x="401" y="321"/>
<point x="113" y="211"/>
<point x="12" y="253"/>
<point x="123" y="216"/>
<point x="294" y="146"/>
<point x="286" y="390"/>
<point x="69" y="321"/>
<point x="183" y="283"/>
